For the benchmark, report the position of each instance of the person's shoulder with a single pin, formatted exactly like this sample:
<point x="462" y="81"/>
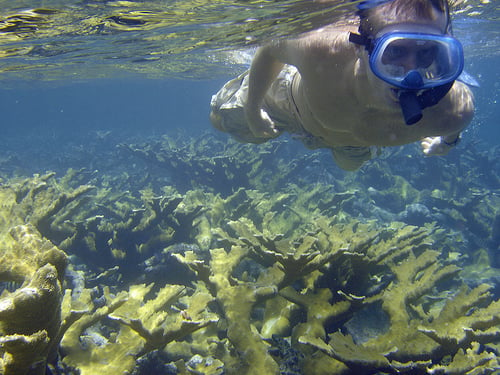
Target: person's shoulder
<point x="330" y="32"/>
<point x="455" y="111"/>
<point x="462" y="99"/>
<point x="331" y="37"/>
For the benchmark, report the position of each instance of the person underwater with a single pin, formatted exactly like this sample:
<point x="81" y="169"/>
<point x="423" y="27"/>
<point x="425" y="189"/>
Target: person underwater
<point x="388" y="77"/>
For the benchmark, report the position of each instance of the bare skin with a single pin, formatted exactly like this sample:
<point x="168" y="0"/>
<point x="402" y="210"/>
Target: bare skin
<point x="342" y="102"/>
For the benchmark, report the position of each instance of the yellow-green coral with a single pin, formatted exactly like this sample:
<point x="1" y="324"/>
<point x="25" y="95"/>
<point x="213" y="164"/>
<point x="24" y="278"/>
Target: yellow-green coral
<point x="146" y="325"/>
<point x="30" y="319"/>
<point x="29" y="316"/>
<point x="236" y="300"/>
<point x="248" y="283"/>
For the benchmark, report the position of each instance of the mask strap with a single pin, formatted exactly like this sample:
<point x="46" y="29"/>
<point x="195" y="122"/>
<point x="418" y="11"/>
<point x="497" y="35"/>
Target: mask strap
<point x="368" y="4"/>
<point x="361" y="40"/>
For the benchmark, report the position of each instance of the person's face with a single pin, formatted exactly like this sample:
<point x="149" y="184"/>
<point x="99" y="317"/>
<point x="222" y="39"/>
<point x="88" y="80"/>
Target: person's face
<point x="406" y="55"/>
<point x="403" y="55"/>
<point x="381" y="93"/>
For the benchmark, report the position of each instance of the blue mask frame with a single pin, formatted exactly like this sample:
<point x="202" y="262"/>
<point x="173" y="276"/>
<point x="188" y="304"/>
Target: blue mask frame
<point x="416" y="61"/>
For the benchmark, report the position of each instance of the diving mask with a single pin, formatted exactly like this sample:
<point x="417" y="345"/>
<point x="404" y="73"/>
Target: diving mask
<point x="418" y="60"/>
<point x="415" y="59"/>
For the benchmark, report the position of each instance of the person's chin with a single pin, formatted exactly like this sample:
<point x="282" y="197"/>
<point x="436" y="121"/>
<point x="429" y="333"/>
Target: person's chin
<point x="387" y="96"/>
<point x="391" y="96"/>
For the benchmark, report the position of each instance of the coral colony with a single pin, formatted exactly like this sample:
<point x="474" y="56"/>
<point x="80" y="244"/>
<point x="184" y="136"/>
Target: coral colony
<point x="231" y="268"/>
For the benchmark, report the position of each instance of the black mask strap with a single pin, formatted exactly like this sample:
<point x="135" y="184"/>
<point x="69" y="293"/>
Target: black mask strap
<point x="361" y="40"/>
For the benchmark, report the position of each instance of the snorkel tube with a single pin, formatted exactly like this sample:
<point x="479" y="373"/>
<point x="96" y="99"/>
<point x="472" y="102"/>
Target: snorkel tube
<point x="408" y="100"/>
<point x="412" y="104"/>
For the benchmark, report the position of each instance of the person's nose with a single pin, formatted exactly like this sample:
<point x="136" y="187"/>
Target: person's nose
<point x="409" y="62"/>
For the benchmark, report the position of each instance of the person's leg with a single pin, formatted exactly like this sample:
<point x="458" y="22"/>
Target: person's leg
<point x="227" y="113"/>
<point x="351" y="158"/>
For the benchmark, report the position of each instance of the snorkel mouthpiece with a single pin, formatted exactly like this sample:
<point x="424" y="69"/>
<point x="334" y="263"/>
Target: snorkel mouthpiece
<point x="413" y="80"/>
<point x="410" y="106"/>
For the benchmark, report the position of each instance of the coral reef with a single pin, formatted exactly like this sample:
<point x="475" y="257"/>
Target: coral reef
<point x="145" y="326"/>
<point x="30" y="317"/>
<point x="272" y="273"/>
<point x="220" y="166"/>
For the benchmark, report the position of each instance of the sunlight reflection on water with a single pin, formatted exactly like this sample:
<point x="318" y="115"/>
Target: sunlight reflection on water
<point x="47" y="40"/>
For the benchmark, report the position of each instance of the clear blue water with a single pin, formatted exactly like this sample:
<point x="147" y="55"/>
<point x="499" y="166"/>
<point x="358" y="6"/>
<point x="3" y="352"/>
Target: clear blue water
<point x="63" y="106"/>
<point x="80" y="92"/>
<point x="56" y="107"/>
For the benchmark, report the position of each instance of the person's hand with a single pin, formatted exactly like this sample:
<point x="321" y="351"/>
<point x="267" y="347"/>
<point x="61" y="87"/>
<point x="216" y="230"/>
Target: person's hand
<point x="261" y="124"/>
<point x="434" y="146"/>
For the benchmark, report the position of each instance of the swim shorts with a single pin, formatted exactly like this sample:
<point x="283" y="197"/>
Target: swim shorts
<point x="227" y="115"/>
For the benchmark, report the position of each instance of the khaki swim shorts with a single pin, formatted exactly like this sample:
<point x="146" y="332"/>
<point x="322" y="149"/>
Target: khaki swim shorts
<point x="227" y="107"/>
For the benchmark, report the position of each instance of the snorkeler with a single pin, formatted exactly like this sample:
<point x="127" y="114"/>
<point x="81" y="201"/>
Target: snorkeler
<point x="386" y="79"/>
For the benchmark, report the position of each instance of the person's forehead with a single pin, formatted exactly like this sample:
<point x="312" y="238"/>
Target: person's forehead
<point x="379" y="21"/>
<point x="412" y="43"/>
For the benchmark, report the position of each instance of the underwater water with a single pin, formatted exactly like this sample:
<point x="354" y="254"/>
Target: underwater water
<point x="135" y="238"/>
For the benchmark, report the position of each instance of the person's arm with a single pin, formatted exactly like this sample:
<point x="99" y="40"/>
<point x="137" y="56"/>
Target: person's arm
<point x="263" y="71"/>
<point x="435" y="146"/>
<point x="305" y="53"/>
<point x="461" y="106"/>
